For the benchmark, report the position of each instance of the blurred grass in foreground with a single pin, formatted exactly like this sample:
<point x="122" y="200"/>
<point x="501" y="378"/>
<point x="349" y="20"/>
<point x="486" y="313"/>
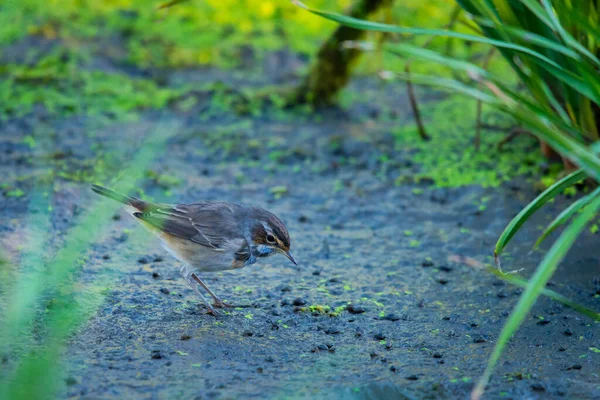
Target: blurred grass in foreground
<point x="45" y="304"/>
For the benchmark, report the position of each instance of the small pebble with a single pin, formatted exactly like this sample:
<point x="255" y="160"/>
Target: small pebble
<point x="248" y="333"/>
<point x="332" y="331"/>
<point x="437" y="355"/>
<point x="412" y="378"/>
<point x="574" y="366"/>
<point x="322" y="347"/>
<point x="70" y="381"/>
<point x="106" y="257"/>
<point x="393" y="368"/>
<point x="537" y="387"/>
<point x="479" y="339"/>
<point x="445" y="268"/>
<point x="391" y="317"/>
<point x="156" y="355"/>
<point x="164" y="290"/>
<point x="543" y="322"/>
<point x="299" y="301"/>
<point x="155" y="275"/>
<point x="443" y="281"/>
<point x="352" y="309"/>
<point x="379" y="336"/>
<point x="158" y="259"/>
<point x="568" y="332"/>
<point x="185" y="336"/>
<point x="427" y="263"/>
<point x="143" y="260"/>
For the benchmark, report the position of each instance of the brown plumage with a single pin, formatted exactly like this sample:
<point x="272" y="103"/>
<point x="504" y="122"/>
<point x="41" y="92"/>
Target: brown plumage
<point x="210" y="235"/>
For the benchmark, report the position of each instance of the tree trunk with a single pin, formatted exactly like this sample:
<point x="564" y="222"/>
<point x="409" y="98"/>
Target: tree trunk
<point x="331" y="71"/>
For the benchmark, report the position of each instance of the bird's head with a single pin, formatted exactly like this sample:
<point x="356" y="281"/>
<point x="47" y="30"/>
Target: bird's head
<point x="269" y="235"/>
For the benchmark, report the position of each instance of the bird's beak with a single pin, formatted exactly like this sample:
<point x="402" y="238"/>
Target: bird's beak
<point x="289" y="255"/>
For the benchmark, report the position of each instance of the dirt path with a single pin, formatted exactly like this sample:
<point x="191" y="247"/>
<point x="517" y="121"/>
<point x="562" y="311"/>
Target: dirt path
<point x="418" y="327"/>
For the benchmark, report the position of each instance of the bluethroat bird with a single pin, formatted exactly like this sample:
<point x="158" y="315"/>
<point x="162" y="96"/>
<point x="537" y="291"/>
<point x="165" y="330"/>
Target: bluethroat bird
<point x="209" y="236"/>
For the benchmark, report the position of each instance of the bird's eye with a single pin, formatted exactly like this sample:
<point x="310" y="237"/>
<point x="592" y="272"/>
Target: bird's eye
<point x="270" y="238"/>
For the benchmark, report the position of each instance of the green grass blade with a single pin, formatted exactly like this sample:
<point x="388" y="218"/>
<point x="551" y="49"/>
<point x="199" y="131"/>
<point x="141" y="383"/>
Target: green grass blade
<point x="450" y="84"/>
<point x="548" y="194"/>
<point x="534" y="288"/>
<point x="570" y="40"/>
<point x="60" y="273"/>
<point x="380" y="27"/>
<point x="535" y="7"/>
<point x="521" y="282"/>
<point x="553" y="68"/>
<point x="563" y="144"/>
<point x="529" y="37"/>
<point x="566" y="215"/>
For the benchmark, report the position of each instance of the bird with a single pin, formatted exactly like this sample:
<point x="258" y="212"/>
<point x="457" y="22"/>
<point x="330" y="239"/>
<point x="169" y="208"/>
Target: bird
<point x="209" y="236"/>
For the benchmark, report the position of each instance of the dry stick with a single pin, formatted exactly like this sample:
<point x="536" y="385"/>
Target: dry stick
<point x="413" y="104"/>
<point x="477" y="141"/>
<point x="409" y="86"/>
<point x="514" y="132"/>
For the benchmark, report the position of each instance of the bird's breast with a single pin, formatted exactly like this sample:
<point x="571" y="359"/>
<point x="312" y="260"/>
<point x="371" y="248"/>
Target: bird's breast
<point x="200" y="257"/>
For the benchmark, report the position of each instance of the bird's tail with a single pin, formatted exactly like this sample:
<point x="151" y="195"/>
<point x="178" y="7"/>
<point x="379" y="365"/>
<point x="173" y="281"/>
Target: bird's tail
<point x="127" y="200"/>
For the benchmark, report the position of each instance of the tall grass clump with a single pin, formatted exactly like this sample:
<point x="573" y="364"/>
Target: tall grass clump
<point x="553" y="49"/>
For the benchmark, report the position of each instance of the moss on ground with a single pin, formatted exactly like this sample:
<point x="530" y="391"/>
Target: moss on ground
<point x="450" y="158"/>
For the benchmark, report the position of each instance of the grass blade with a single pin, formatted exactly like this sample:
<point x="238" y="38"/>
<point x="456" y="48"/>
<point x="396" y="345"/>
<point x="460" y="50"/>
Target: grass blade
<point x="520" y="282"/>
<point x="548" y="194"/>
<point x="535" y="287"/>
<point x="380" y="27"/>
<point x="567" y="214"/>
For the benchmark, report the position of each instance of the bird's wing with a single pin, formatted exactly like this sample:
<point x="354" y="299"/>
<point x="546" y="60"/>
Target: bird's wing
<point x="210" y="224"/>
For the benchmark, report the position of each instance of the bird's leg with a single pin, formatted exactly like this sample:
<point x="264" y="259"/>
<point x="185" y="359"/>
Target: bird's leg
<point x="187" y="274"/>
<point x="218" y="302"/>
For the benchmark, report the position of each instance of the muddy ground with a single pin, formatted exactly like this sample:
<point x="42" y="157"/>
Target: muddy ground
<point x="418" y="326"/>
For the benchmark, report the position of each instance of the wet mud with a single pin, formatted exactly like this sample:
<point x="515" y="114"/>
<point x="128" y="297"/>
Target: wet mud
<point x="375" y="308"/>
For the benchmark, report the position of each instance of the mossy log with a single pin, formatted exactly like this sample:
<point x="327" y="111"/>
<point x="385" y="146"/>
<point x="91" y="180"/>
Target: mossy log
<point x="333" y="65"/>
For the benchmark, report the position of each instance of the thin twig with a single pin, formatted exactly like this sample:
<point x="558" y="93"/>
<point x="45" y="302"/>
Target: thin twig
<point x="513" y="133"/>
<point x="413" y="104"/>
<point x="409" y="86"/>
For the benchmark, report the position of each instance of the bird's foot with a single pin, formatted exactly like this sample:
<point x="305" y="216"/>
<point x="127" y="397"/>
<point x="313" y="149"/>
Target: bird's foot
<point x="221" y="304"/>
<point x="211" y="311"/>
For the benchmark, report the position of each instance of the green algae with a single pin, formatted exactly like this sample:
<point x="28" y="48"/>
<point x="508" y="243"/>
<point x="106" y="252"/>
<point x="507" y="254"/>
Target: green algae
<point x="450" y="158"/>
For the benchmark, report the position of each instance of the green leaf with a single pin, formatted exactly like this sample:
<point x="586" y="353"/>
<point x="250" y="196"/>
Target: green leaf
<point x="380" y="27"/>
<point x="518" y="221"/>
<point x="567" y="214"/>
<point x="535" y="286"/>
<point x="518" y="281"/>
